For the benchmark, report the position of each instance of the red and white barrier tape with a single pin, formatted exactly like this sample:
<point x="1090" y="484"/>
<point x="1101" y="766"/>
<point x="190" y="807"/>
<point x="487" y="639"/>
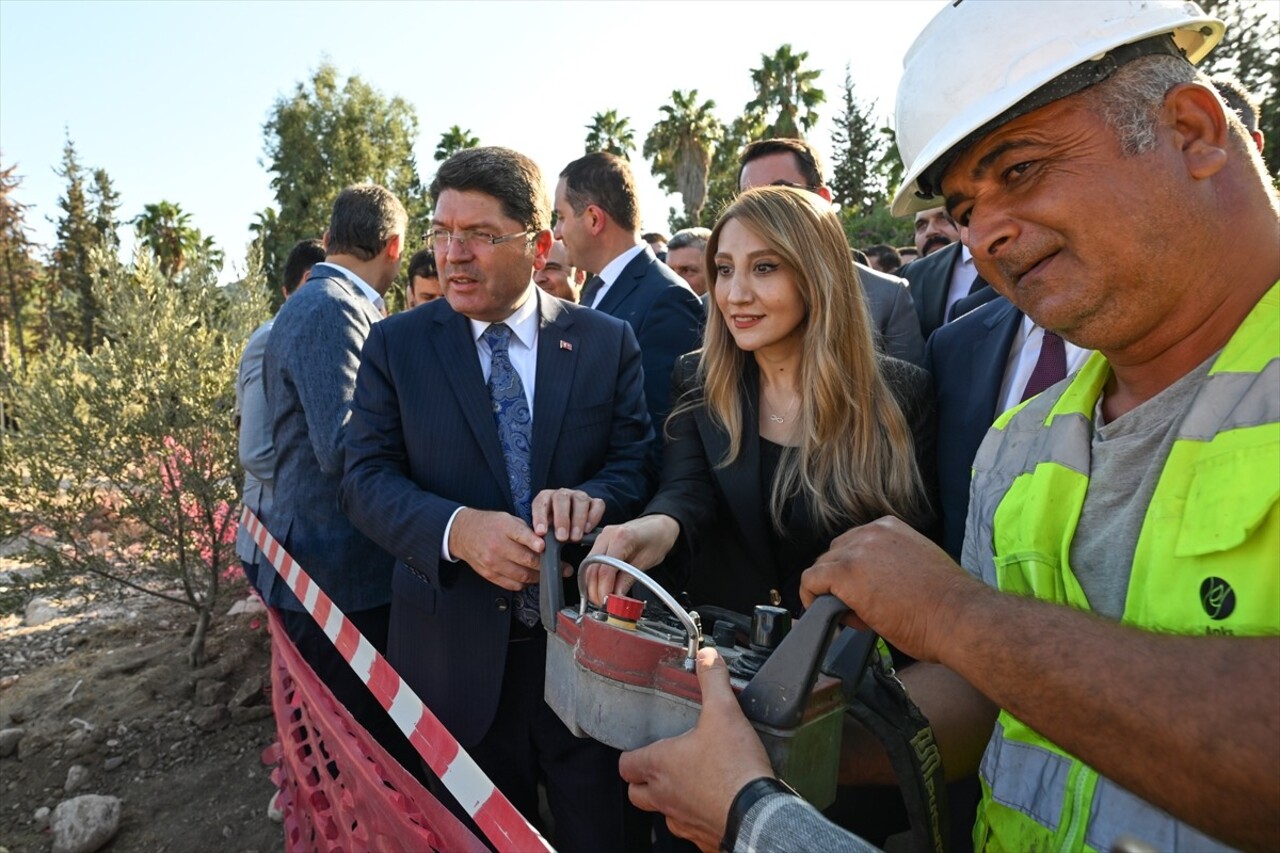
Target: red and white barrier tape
<point x="500" y="821"/>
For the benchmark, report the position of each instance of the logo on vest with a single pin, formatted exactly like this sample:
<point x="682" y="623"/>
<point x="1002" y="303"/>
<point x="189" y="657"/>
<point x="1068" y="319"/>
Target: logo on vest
<point x="1217" y="598"/>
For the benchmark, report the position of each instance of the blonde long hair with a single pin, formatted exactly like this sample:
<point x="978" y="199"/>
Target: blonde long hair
<point x="855" y="457"/>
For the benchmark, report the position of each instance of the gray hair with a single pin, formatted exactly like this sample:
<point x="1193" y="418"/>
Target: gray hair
<point x="1130" y="101"/>
<point x="689" y="237"/>
<point x="365" y="218"/>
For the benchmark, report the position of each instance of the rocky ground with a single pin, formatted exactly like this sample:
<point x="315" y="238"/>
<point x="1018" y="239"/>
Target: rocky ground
<point x="96" y="698"/>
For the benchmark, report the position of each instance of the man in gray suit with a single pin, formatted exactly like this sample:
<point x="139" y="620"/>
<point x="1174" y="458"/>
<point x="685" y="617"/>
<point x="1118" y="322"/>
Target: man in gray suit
<point x="257" y="453"/>
<point x="793" y="163"/>
<point x="309" y="374"/>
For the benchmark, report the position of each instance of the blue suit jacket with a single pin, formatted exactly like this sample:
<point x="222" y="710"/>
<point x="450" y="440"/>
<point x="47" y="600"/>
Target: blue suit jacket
<point x="422" y="442"/>
<point x="667" y="317"/>
<point x="309" y="376"/>
<point x="967" y="360"/>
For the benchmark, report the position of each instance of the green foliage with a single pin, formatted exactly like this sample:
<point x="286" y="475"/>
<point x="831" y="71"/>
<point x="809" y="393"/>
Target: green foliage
<point x="722" y="183"/>
<point x="783" y="84"/>
<point x="76" y="261"/>
<point x="21" y="275"/>
<point x="127" y="454"/>
<point x="326" y="136"/>
<point x="607" y="132"/>
<point x="679" y="149"/>
<point x="165" y="229"/>
<point x="452" y="141"/>
<point x="876" y="226"/>
<point x="1251" y="51"/>
<point x="859" y="146"/>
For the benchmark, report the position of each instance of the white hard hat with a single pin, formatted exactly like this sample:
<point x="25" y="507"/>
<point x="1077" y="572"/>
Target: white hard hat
<point x="981" y="63"/>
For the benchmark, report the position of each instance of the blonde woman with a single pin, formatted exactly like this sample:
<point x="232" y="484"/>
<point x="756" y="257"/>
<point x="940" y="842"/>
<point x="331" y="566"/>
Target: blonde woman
<point x="789" y="427"/>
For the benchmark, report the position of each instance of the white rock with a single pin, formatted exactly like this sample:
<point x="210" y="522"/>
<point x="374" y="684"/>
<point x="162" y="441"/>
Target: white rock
<point x="42" y="817"/>
<point x="252" y="604"/>
<point x="77" y="775"/>
<point x="9" y="741"/>
<point x="40" y="611"/>
<point x="84" y="824"/>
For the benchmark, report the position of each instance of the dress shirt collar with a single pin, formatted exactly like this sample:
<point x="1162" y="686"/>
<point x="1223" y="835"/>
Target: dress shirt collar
<point x="614" y="268"/>
<point x="523" y="322"/>
<point x="374" y="296"/>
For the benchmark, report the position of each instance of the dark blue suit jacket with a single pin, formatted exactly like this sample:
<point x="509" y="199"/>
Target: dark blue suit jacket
<point x="422" y="442"/>
<point x="967" y="360"/>
<point x="667" y="317"/>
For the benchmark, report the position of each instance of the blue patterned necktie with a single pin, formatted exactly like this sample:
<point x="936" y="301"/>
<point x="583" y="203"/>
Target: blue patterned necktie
<point x="514" y="419"/>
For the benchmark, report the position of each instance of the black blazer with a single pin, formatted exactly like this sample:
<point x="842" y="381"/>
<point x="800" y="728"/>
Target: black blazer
<point x="967" y="360"/>
<point x="929" y="279"/>
<point x="422" y="442"/>
<point x="727" y="557"/>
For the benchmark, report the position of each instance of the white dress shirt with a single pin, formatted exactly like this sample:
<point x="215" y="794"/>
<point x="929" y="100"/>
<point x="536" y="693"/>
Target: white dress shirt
<point x="963" y="273"/>
<point x="374" y="296"/>
<point x="523" y="349"/>
<point x="1023" y="355"/>
<point x="613" y="269"/>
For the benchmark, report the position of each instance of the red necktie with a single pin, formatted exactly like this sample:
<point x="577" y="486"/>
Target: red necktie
<point x="1050" y="367"/>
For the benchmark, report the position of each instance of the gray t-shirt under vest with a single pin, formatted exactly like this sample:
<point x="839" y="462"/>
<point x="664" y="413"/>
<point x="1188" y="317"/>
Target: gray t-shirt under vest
<point x="1127" y="457"/>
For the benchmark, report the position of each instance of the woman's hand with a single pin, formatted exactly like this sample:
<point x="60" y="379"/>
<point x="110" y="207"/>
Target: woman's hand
<point x="643" y="543"/>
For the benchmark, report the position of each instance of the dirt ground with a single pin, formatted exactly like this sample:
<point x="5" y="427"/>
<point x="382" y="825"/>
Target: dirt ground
<point x="105" y="686"/>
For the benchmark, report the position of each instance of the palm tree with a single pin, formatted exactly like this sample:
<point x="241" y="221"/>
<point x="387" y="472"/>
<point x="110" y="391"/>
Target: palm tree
<point x="782" y="84"/>
<point x="166" y="230"/>
<point x="609" y="133"/>
<point x="453" y="140"/>
<point x="680" y="146"/>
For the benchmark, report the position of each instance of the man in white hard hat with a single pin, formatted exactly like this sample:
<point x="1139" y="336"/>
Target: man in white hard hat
<point x="1098" y="176"/>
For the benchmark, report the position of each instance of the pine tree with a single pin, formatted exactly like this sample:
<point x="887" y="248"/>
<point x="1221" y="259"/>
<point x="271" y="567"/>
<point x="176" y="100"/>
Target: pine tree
<point x="858" y="146"/>
<point x="73" y="305"/>
<point x="20" y="273"/>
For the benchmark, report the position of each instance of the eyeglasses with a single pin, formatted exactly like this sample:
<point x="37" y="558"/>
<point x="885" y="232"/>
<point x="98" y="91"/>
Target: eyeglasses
<point x="439" y="239"/>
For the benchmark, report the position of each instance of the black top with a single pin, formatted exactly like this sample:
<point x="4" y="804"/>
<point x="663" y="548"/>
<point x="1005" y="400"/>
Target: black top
<point x="729" y="553"/>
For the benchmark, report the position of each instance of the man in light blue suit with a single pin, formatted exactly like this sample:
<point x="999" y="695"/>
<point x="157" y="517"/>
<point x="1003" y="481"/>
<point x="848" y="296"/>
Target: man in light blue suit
<point x="253" y="422"/>
<point x="309" y="374"/>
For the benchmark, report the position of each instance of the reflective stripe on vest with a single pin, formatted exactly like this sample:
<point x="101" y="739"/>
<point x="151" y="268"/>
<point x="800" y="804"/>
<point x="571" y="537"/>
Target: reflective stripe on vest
<point x="1207" y="561"/>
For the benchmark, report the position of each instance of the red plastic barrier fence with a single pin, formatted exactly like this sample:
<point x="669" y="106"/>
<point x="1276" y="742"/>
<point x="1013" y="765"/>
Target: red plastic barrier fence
<point x="501" y="822"/>
<point x="340" y="792"/>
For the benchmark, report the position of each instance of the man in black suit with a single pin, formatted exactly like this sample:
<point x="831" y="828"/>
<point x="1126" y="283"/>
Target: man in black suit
<point x="794" y="163"/>
<point x="598" y="218"/>
<point x="466" y="408"/>
<point x="944" y="283"/>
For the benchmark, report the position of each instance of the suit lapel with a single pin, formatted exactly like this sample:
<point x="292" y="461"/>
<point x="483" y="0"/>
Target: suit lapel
<point x="740" y="482"/>
<point x="942" y="284"/>
<point x="456" y="348"/>
<point x="990" y="354"/>
<point x="628" y="280"/>
<point x="558" y="351"/>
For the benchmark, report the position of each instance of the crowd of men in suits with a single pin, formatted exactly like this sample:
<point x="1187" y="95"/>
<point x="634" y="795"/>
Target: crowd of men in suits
<point x="525" y="391"/>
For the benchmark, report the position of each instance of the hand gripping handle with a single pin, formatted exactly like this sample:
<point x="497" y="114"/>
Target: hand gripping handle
<point x="551" y="595"/>
<point x="776" y="696"/>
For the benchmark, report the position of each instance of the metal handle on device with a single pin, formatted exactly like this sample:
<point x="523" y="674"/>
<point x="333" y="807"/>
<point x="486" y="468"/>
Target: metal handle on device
<point x="691" y="626"/>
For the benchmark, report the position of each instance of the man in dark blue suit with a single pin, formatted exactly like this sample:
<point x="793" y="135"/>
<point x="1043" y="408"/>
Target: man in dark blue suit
<point x="598" y="218"/>
<point x="466" y="409"/>
<point x="967" y="360"/>
<point x="982" y="364"/>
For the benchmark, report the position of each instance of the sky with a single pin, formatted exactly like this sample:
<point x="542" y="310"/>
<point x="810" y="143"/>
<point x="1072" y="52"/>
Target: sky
<point x="170" y="97"/>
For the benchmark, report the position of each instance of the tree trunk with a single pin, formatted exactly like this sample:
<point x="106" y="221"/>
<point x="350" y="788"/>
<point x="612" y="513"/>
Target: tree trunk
<point x="195" y="651"/>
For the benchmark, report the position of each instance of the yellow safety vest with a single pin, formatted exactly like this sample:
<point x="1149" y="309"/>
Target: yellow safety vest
<point x="1207" y="561"/>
